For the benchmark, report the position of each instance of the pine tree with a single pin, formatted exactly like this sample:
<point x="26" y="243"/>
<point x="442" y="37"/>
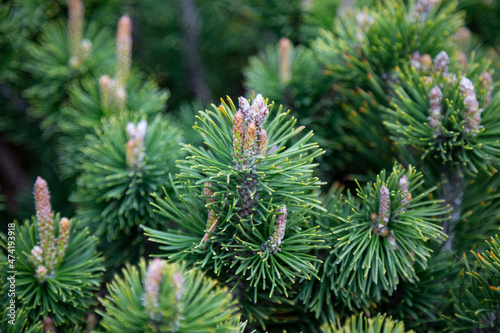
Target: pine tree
<point x="393" y="103"/>
<point x="57" y="277"/>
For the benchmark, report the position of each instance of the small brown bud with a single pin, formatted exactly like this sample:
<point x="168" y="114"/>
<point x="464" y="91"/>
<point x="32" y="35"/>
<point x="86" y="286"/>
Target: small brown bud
<point x="285" y="62"/>
<point x="405" y="195"/>
<point x="123" y="50"/>
<point x="435" y="99"/>
<point x="75" y="23"/>
<point x="48" y="325"/>
<point x="276" y="239"/>
<point x="260" y="111"/>
<point x="238" y="136"/>
<point x="384" y="206"/>
<point x="42" y="200"/>
<point x="244" y="106"/>
<point x="425" y="63"/>
<point x="63" y="240"/>
<point x="441" y="62"/>
<point x="105" y="89"/>
<point x="135" y="149"/>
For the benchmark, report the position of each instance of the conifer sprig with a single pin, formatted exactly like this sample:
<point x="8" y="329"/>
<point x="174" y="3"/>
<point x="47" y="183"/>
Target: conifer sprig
<point x="50" y="253"/>
<point x="283" y="71"/>
<point x="378" y="243"/>
<point x="56" y="277"/>
<point x="360" y="53"/>
<point x="260" y="251"/>
<point x="112" y="195"/>
<point x="65" y="53"/>
<point x="369" y="62"/>
<point x="362" y="324"/>
<point x="90" y="104"/>
<point x="446" y="116"/>
<point x="167" y="298"/>
<point x="93" y="98"/>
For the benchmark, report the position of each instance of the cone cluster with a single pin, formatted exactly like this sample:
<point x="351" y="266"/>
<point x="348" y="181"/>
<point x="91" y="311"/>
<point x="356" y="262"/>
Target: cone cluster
<point x="381" y="220"/>
<point x="47" y="256"/>
<point x="249" y="138"/>
<point x="151" y="297"/>
<point x="472" y="111"/>
<point x="435" y="100"/>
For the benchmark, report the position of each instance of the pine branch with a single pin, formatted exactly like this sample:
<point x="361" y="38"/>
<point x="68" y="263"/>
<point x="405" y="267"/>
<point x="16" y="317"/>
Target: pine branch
<point x="167" y="298"/>
<point x="259" y="247"/>
<point x="453" y="187"/>
<point x="191" y="30"/>
<point x="56" y="276"/>
<point x="379" y="237"/>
